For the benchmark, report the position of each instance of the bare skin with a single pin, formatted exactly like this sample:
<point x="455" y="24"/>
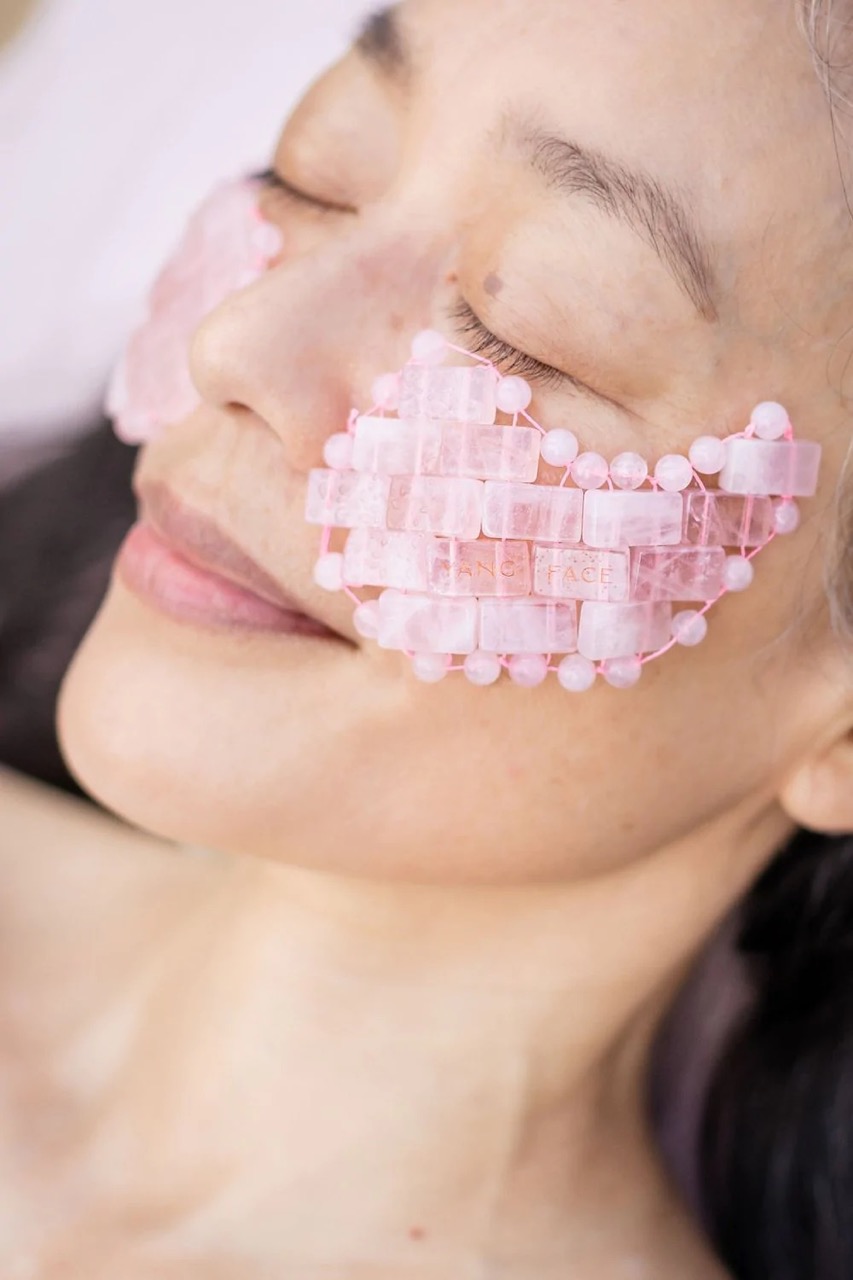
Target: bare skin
<point x="399" y="1024"/>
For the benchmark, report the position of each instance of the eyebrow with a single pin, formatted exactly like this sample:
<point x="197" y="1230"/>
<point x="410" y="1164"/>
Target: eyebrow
<point x="635" y="198"/>
<point x="380" y="41"/>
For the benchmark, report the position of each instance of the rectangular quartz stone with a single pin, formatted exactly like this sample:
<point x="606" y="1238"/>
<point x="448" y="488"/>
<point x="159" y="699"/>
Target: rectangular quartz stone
<point x="677" y="573"/>
<point x="623" y="630"/>
<point x="347" y="499"/>
<point x="448" y="393"/>
<point x="578" y="573"/>
<point x="422" y="624"/>
<point x="394" y="447"/>
<point x="724" y="520"/>
<point x="784" y="468"/>
<point x="490" y="453"/>
<point x="478" y="568"/>
<point x="528" y="626"/>
<point x="435" y="504"/>
<point x="383" y="558"/>
<point x="539" y="512"/>
<point x="612" y="518"/>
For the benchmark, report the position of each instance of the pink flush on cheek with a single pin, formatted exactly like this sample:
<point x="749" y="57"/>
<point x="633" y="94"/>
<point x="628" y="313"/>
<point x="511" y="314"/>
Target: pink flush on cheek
<point x="487" y="570"/>
<point x="226" y="246"/>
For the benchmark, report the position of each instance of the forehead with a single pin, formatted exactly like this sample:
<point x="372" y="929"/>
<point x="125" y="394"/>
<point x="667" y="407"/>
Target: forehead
<point x="716" y="98"/>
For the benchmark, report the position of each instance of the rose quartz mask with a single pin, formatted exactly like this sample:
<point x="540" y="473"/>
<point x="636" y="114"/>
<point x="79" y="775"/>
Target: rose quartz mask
<point x="226" y="246"/>
<point x="486" y="569"/>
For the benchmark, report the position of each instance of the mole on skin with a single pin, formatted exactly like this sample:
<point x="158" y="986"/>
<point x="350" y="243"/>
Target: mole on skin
<point x="493" y="284"/>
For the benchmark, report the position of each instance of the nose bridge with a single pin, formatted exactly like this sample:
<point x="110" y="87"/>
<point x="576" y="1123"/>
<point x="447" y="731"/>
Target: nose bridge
<point x="302" y="345"/>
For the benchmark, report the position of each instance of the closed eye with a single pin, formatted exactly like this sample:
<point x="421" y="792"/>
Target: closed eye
<point x="273" y="181"/>
<point x="509" y="359"/>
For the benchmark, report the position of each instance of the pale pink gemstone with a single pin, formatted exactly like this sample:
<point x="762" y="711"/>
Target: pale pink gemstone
<point x="429" y="346"/>
<point x="786" y="517"/>
<point x="218" y="253"/>
<point x="430" y="668"/>
<point x="366" y="619"/>
<point x="738" y="573"/>
<point x="784" y="468"/>
<point x="679" y="573"/>
<point x="394" y="447"/>
<point x="618" y="519"/>
<point x="386" y="391"/>
<point x="622" y="630"/>
<point x="490" y="453"/>
<point x="337" y="451"/>
<point x="708" y="454"/>
<point x="528" y="670"/>
<point x="448" y="393"/>
<point x="590" y="470"/>
<point x="622" y="673"/>
<point x="628" y="470"/>
<point x="723" y="520"/>
<point x="527" y="626"/>
<point x="382" y="558"/>
<point x="577" y="573"/>
<point x="513" y="395"/>
<point x="328" y="571"/>
<point x="576" y="674"/>
<point x="267" y="239"/>
<point x="547" y="513"/>
<point x="434" y="504"/>
<point x="478" y="568"/>
<point x="422" y="624"/>
<point x="347" y="500"/>
<point x="689" y="627"/>
<point x="673" y="472"/>
<point x="770" y="420"/>
<point x="482" y="668"/>
<point x="560" y="447"/>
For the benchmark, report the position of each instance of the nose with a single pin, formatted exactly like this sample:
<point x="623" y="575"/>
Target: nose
<point x="302" y="345"/>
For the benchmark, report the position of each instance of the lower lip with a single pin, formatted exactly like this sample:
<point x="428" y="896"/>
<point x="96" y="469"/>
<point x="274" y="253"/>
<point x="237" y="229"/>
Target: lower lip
<point x="158" y="574"/>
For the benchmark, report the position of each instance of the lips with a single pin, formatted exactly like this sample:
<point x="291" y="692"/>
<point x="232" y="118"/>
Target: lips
<point x="203" y="543"/>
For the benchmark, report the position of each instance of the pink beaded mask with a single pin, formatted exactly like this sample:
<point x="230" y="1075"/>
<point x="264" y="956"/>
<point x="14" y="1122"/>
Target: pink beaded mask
<point x="485" y="569"/>
<point x="226" y="246"/>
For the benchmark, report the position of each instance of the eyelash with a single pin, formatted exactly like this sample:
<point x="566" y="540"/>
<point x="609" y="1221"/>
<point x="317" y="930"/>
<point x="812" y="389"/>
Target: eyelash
<point x="273" y="180"/>
<point x="508" y="358"/>
<point x="483" y="342"/>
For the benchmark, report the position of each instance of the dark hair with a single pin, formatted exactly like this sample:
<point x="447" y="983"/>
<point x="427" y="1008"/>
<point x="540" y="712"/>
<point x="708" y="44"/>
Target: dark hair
<point x="60" y="526"/>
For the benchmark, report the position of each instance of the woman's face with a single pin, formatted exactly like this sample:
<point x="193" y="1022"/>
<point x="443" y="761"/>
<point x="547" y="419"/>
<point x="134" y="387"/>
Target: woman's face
<point x="645" y="197"/>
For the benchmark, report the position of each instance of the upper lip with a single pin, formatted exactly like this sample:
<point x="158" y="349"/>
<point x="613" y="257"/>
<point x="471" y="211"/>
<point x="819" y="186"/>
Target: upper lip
<point x="199" y="539"/>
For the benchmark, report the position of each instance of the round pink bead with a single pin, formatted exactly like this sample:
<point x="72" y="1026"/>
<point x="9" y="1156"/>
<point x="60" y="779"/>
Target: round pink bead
<point x="708" y="455"/>
<point x="429" y="346"/>
<point x="738" y="573"/>
<point x="622" y="673"/>
<point x="673" y="472"/>
<point x="267" y="239"/>
<point x="770" y="420"/>
<point x="560" y="447"/>
<point x="513" y="395"/>
<point x="366" y="619"/>
<point x="590" y="471"/>
<point x="482" y="668"/>
<point x="329" y="571"/>
<point x="576" y="674"/>
<point x="689" y="627"/>
<point x="628" y="470"/>
<point x="386" y="391"/>
<point x="337" y="451"/>
<point x="430" y="668"/>
<point x="786" y="517"/>
<point x="528" y="669"/>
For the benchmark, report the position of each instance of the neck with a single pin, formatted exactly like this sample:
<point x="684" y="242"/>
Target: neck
<point x="420" y="1074"/>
